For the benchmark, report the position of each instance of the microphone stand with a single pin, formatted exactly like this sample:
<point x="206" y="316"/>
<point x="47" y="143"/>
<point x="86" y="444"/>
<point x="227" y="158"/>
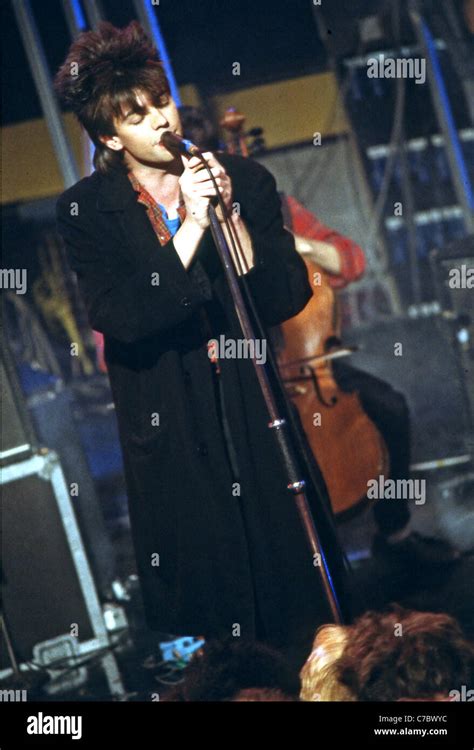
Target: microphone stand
<point x="295" y="483"/>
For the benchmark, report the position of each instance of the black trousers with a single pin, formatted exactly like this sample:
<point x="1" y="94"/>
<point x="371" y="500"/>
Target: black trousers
<point x="388" y="409"/>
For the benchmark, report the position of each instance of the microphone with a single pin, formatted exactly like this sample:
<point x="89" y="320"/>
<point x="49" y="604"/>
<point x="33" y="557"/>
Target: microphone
<point x="174" y="142"/>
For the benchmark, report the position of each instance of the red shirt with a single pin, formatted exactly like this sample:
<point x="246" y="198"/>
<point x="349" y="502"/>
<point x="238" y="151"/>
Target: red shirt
<point x="305" y="223"/>
<point x="154" y="211"/>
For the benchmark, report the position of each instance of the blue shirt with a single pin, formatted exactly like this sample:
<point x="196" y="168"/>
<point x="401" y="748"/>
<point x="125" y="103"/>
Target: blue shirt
<point x="172" y="224"/>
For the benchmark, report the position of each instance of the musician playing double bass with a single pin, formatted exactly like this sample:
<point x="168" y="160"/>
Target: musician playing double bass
<point x="344" y="262"/>
<point x="219" y="545"/>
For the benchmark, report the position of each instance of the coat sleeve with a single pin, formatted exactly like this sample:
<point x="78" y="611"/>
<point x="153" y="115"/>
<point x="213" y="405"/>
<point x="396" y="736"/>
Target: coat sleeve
<point x="126" y="304"/>
<point x="279" y="279"/>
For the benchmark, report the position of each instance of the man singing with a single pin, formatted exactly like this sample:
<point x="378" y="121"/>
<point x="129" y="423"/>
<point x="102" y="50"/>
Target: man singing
<point x="219" y="545"/>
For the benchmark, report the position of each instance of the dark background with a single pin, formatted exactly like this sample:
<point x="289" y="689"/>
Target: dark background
<point x="271" y="39"/>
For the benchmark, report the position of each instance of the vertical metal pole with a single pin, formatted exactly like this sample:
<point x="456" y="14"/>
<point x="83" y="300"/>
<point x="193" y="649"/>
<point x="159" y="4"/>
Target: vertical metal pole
<point x="459" y="173"/>
<point x="94" y="12"/>
<point x="77" y="22"/>
<point x="148" y="19"/>
<point x="408" y="199"/>
<point x="41" y="76"/>
<point x="461" y="48"/>
<point x="75" y="18"/>
<point x="378" y="266"/>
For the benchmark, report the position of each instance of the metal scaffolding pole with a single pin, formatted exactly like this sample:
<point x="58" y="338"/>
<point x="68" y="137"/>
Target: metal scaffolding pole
<point x="460" y="50"/>
<point x="148" y="19"/>
<point x="42" y="78"/>
<point x="94" y="12"/>
<point x="459" y="173"/>
<point x="75" y="18"/>
<point x="77" y="23"/>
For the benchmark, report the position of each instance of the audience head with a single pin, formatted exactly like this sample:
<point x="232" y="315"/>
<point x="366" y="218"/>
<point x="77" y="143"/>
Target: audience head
<point x="320" y="676"/>
<point x="405" y="655"/>
<point x="222" y="669"/>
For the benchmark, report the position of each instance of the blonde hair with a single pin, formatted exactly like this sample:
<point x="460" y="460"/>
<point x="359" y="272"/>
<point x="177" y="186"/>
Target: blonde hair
<point x="320" y="675"/>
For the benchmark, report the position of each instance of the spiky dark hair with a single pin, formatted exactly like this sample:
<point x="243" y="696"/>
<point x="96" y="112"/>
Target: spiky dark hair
<point x="102" y="75"/>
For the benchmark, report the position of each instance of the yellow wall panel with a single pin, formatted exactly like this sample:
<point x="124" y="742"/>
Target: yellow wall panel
<point x="190" y="96"/>
<point x="289" y="111"/>
<point x="29" y="166"/>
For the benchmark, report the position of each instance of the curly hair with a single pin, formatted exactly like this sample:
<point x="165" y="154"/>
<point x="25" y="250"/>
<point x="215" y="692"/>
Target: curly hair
<point x="428" y="657"/>
<point x="101" y="77"/>
<point x="320" y="675"/>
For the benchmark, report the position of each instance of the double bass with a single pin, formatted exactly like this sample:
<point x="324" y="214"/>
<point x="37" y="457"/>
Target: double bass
<point x="346" y="444"/>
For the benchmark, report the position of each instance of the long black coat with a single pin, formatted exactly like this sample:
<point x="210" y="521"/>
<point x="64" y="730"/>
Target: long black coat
<point x="204" y="553"/>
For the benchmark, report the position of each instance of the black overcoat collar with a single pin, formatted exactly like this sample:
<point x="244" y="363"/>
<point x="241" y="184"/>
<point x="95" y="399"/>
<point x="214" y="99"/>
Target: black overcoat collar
<point x="139" y="241"/>
<point x="115" y="191"/>
<point x="116" y="194"/>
